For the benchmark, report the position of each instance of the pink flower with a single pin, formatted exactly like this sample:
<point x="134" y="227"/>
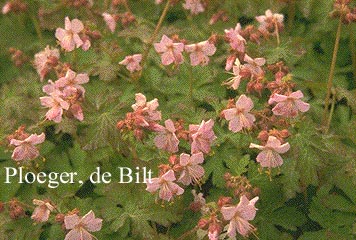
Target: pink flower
<point x="254" y="65"/>
<point x="268" y="20"/>
<point x="195" y="6"/>
<point x="44" y="59"/>
<point x="6" y="8"/>
<point x="230" y="62"/>
<point x="132" y="62"/>
<point x="110" y="21"/>
<point x="80" y="228"/>
<point x="170" y="52"/>
<point x="288" y="106"/>
<point x="269" y="157"/>
<point x="42" y="211"/>
<point x="234" y="82"/>
<point x="149" y="108"/>
<point x="239" y="117"/>
<point x="192" y="172"/>
<point x="72" y="79"/>
<point x="69" y="37"/>
<point x="237" y="42"/>
<point x="239" y="216"/>
<point x="167" y="188"/>
<point x="56" y="105"/>
<point x="25" y="149"/>
<point x="166" y="138"/>
<point x="200" y="52"/>
<point x="202" y="136"/>
<point x="213" y="235"/>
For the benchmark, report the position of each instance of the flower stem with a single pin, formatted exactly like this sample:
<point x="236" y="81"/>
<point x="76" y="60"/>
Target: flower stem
<point x="155" y="32"/>
<point x="353" y="52"/>
<point x="291" y="14"/>
<point x="331" y="75"/>
<point x="331" y="113"/>
<point x="277" y="33"/>
<point x="37" y="27"/>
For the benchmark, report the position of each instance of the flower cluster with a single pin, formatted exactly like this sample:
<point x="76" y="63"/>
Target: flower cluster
<point x="73" y="35"/>
<point x="24" y="144"/>
<point x="171" y="52"/>
<point x="67" y="94"/>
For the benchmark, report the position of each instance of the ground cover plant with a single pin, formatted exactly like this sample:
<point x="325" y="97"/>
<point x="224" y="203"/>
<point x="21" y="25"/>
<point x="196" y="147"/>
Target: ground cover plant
<point x="243" y="112"/>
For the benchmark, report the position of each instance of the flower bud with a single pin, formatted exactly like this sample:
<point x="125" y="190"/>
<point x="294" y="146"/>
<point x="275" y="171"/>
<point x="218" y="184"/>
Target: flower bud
<point x="203" y="223"/>
<point x="224" y="201"/>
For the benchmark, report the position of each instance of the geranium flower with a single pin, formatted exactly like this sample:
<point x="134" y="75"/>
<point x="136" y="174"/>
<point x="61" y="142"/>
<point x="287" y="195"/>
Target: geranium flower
<point x="81" y="227"/>
<point x="234" y="82"/>
<point x="195" y="6"/>
<point x="239" y="116"/>
<point x="200" y="52"/>
<point x="254" y="65"/>
<point x="167" y="188"/>
<point x="56" y="104"/>
<point x="42" y="211"/>
<point x="132" y="62"/>
<point x="149" y="108"/>
<point x="69" y="36"/>
<point x="268" y="21"/>
<point x="288" y="106"/>
<point x="192" y="172"/>
<point x="202" y="136"/>
<point x="269" y="157"/>
<point x="239" y="216"/>
<point x="25" y="149"/>
<point x="72" y="79"/>
<point x="110" y="21"/>
<point x="44" y="59"/>
<point x="237" y="42"/>
<point x="166" y="138"/>
<point x="170" y="52"/>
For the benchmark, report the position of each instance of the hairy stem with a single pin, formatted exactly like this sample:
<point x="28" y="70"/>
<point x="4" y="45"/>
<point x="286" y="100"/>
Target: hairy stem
<point x="353" y="52"/>
<point x="331" y="113"/>
<point x="155" y="32"/>
<point x="37" y="27"/>
<point x="291" y="14"/>
<point x="277" y="33"/>
<point x="331" y="73"/>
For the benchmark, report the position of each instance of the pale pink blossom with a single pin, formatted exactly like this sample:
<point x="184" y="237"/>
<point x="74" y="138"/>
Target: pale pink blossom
<point x="269" y="157"/>
<point x="43" y="60"/>
<point x="170" y="52"/>
<point x="202" y="136"/>
<point x="132" y="62"/>
<point x="110" y="21"/>
<point x="167" y="188"/>
<point x="56" y="104"/>
<point x="239" y="216"/>
<point x="288" y="106"/>
<point x="234" y="82"/>
<point x="42" y="211"/>
<point x="72" y="79"/>
<point x="25" y="149"/>
<point x="68" y="37"/>
<point x="240" y="117"/>
<point x="237" y="42"/>
<point x="81" y="227"/>
<point x="254" y="65"/>
<point x="166" y="138"/>
<point x="200" y="52"/>
<point x="230" y="62"/>
<point x="269" y="20"/>
<point x="195" y="6"/>
<point x="199" y="203"/>
<point x="149" y="108"/>
<point x="192" y="172"/>
<point x="213" y="235"/>
<point x="158" y="1"/>
<point x="6" y="8"/>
